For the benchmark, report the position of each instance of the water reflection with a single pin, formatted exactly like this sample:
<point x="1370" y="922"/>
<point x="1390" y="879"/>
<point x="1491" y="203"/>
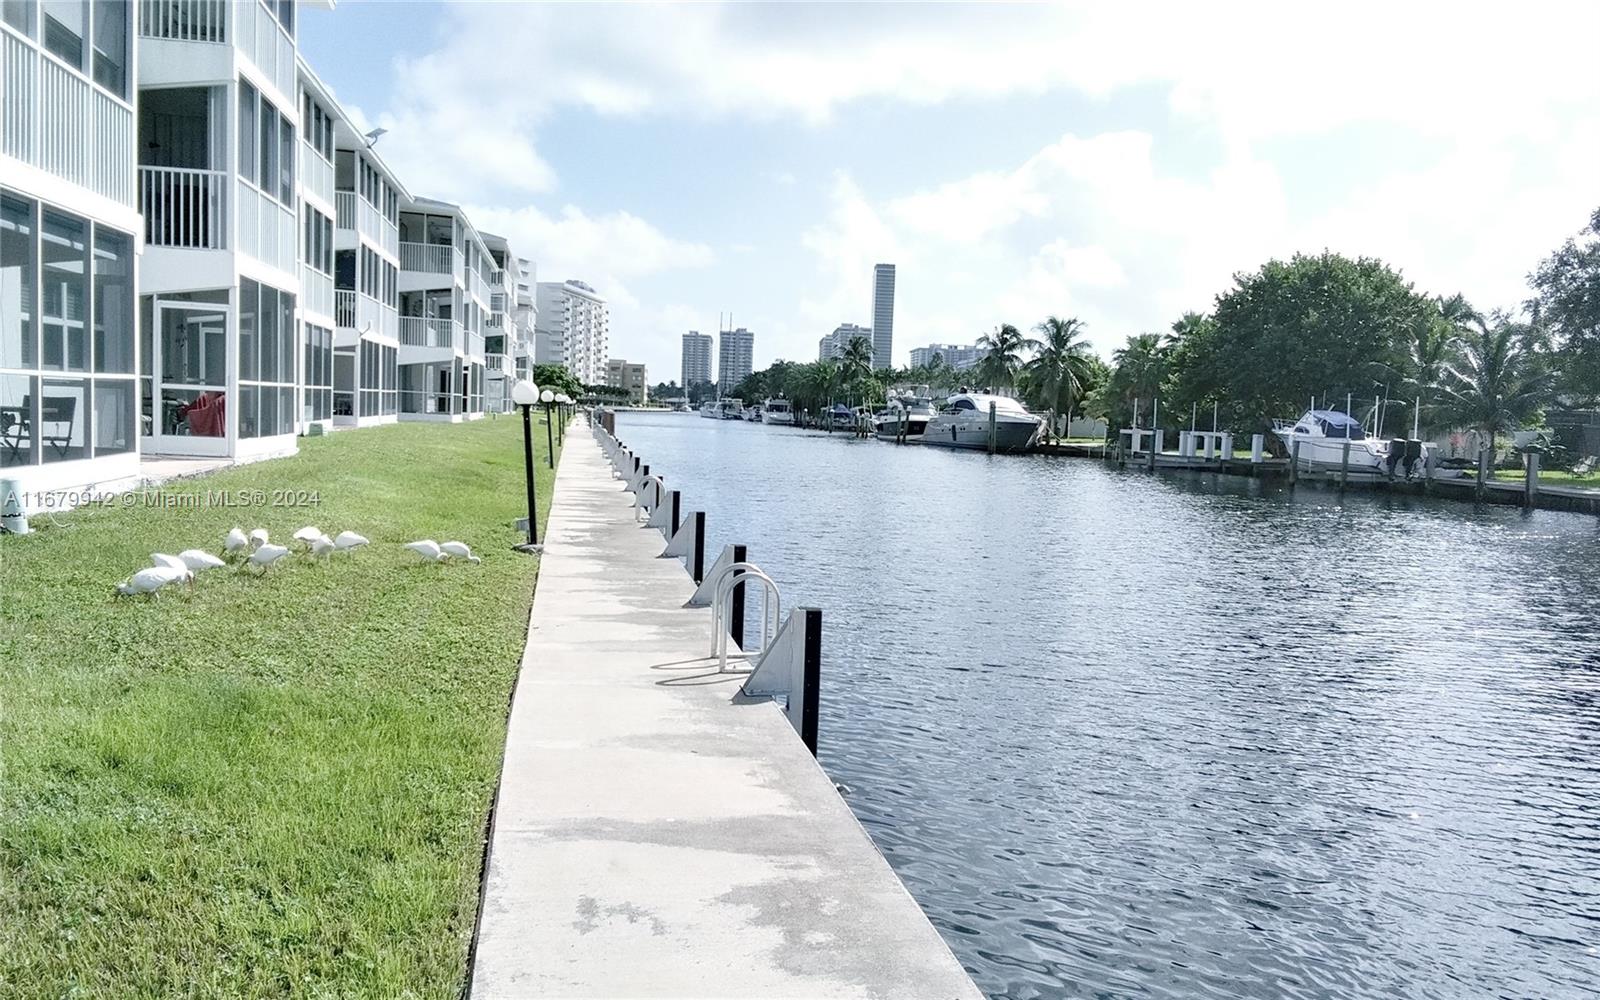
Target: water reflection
<point x="1125" y="735"/>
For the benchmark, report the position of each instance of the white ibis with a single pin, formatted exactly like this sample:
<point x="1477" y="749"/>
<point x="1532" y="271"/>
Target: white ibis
<point x="322" y="546"/>
<point x="258" y="538"/>
<point x="267" y="554"/>
<point x="458" y="550"/>
<point x="150" y="580"/>
<point x="348" y="541"/>
<point x="428" y="549"/>
<point x="235" y="543"/>
<point x="199" y="559"/>
<point x="308" y="535"/>
<point x="174" y="563"/>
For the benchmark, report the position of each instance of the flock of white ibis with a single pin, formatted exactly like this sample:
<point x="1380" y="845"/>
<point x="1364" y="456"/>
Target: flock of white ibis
<point x="256" y="551"/>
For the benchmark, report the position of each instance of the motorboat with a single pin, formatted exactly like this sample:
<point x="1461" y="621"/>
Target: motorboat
<point x="964" y="422"/>
<point x="912" y="407"/>
<point x="1319" y="439"/>
<point x="708" y="409"/>
<point x="778" y="412"/>
<point x="840" y="417"/>
<point x="730" y="408"/>
<point x="753" y="413"/>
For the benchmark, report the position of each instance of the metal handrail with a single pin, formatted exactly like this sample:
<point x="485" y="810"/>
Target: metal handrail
<point x="771" y="613"/>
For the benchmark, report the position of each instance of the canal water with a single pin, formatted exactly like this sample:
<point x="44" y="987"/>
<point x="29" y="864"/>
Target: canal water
<point x="1125" y="735"/>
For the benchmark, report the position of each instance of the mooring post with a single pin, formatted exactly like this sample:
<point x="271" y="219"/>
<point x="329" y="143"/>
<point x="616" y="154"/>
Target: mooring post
<point x="812" y="682"/>
<point x="676" y="499"/>
<point x="993" y="427"/>
<point x="699" y="547"/>
<point x="1530" y="487"/>
<point x="1294" y="463"/>
<point x="1344" y="466"/>
<point x="1483" y="470"/>
<point x="736" y="608"/>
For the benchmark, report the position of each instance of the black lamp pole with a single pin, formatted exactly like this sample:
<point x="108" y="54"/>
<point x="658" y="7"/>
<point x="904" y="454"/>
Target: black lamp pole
<point x="549" y="436"/>
<point x="561" y="429"/>
<point x="527" y="462"/>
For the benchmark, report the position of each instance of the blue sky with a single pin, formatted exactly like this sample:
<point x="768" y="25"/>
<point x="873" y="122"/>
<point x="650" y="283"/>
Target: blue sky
<point x="1117" y="163"/>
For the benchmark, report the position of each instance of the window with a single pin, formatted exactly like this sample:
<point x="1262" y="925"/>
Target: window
<point x="64" y="23"/>
<point x="286" y="162"/>
<point x="249" y="106"/>
<point x="267" y="179"/>
<point x="319" y="241"/>
<point x="266" y="361"/>
<point x="113" y="416"/>
<point x="318" y="128"/>
<point x="66" y="293"/>
<point x="111" y="46"/>
<point x="318" y="373"/>
<point x="283" y="10"/>
<point x="18" y="14"/>
<point x="19" y="263"/>
<point x="113" y="304"/>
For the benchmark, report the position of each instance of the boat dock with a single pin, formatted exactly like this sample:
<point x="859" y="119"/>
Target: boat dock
<point x="654" y="834"/>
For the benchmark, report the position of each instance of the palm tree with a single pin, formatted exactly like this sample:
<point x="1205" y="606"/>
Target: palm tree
<point x="1429" y="344"/>
<point x="855" y="364"/>
<point x="1058" y="368"/>
<point x="1000" y="365"/>
<point x="1497" y="382"/>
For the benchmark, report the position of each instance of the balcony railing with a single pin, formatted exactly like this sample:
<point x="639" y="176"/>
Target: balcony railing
<point x="420" y="331"/>
<point x="497" y="302"/>
<point x="431" y="258"/>
<point x="262" y="39"/>
<point x="496" y="362"/>
<point x="475" y="344"/>
<point x="316" y="291"/>
<point x="344" y="307"/>
<point x="266" y="229"/>
<point x="316" y="174"/>
<point x="478" y="287"/>
<point x="184" y="20"/>
<point x="184" y="208"/>
<point x="344" y="204"/>
<point x="55" y="120"/>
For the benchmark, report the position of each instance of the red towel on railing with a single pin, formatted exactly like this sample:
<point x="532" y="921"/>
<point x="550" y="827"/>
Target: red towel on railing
<point x="206" y="416"/>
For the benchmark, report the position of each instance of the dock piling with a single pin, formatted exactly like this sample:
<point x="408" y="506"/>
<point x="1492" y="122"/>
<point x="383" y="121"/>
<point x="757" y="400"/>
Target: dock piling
<point x="1530" y="485"/>
<point x="736" y="603"/>
<point x="1294" y="463"/>
<point x="1344" y="467"/>
<point x="699" y="560"/>
<point x="993" y="427"/>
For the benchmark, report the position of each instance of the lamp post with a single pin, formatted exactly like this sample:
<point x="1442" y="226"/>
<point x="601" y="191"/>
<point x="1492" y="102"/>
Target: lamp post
<point x="561" y="429"/>
<point x="525" y="394"/>
<point x="548" y="398"/>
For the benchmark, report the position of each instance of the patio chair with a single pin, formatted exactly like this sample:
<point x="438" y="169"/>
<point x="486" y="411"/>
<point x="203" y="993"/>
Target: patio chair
<point x="56" y="417"/>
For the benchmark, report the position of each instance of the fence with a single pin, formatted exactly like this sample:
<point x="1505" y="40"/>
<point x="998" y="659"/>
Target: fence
<point x="184" y="208"/>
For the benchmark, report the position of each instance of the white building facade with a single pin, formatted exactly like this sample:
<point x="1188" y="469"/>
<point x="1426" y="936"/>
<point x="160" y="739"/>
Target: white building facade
<point x="882" y="315"/>
<point x="69" y="237"/>
<point x="696" y="368"/>
<point x="735" y="356"/>
<point x="574" y="320"/>
<point x="832" y="346"/>
<point x="953" y="355"/>
<point x="445" y="269"/>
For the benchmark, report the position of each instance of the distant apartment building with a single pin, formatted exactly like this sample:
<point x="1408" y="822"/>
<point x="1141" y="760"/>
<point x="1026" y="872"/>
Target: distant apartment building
<point x="625" y="375"/>
<point x="953" y="355"/>
<point x="573" y="329"/>
<point x="832" y="346"/>
<point x="882" y="315"/>
<point x="735" y="356"/>
<point x="202" y="255"/>
<point x="508" y="326"/>
<point x="527" y="317"/>
<point x="696" y="359"/>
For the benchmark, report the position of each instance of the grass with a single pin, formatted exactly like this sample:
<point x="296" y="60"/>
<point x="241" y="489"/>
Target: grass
<point x="1552" y="477"/>
<point x="263" y="787"/>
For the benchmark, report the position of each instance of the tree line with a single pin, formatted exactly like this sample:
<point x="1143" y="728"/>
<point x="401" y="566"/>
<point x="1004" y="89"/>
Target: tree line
<point x="1323" y="327"/>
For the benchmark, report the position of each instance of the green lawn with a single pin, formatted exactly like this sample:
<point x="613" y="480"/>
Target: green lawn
<point x="1552" y="477"/>
<point x="263" y="787"/>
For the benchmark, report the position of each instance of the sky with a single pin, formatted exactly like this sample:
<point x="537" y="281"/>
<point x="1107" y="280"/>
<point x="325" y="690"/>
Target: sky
<point x="1117" y="163"/>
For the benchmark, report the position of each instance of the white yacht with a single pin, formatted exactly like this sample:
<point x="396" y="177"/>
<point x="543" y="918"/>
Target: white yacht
<point x="778" y="412"/>
<point x="1322" y="435"/>
<point x="912" y="405"/>
<point x="708" y="409"/>
<point x="730" y="408"/>
<point x="963" y="422"/>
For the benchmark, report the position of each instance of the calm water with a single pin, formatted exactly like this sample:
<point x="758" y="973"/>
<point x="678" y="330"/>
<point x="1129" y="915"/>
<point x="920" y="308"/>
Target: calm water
<point x="1125" y="735"/>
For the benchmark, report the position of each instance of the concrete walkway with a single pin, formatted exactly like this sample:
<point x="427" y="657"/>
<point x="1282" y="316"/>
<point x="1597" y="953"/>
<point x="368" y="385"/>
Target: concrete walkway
<point x="653" y="839"/>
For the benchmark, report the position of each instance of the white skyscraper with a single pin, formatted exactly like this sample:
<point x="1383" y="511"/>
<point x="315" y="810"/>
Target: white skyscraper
<point x="735" y="357"/>
<point x="833" y="345"/>
<point x="882" y="315"/>
<point x="696" y="358"/>
<point x="575" y="319"/>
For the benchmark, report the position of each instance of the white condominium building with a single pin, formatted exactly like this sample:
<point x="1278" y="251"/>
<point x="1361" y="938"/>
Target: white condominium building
<point x="832" y="346"/>
<point x="577" y="320"/>
<point x="951" y="355"/>
<point x="527" y="317"/>
<point x="507" y="329"/>
<point x="202" y="256"/>
<point x="696" y="359"/>
<point x="735" y="357"/>
<point x="70" y="400"/>
<point x="882" y="315"/>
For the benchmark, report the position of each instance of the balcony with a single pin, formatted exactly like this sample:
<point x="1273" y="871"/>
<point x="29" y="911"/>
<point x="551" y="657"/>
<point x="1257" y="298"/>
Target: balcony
<point x="477" y="287"/>
<point x="264" y="42"/>
<point x="420" y="331"/>
<point x="184" y="208"/>
<point x="344" y="308"/>
<point x="432" y="258"/>
<point x="316" y="291"/>
<point x="267" y="230"/>
<point x="496" y="363"/>
<point x="184" y="20"/>
<point x="52" y="118"/>
<point x="316" y="174"/>
<point x="474" y="344"/>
